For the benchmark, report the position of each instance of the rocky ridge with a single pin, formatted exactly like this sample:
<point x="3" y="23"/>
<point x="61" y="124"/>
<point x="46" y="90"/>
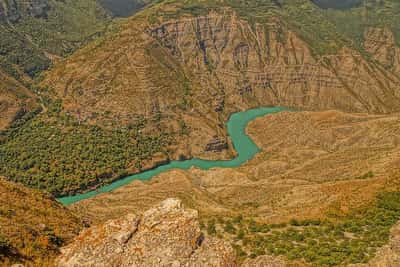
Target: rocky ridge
<point x="165" y="235"/>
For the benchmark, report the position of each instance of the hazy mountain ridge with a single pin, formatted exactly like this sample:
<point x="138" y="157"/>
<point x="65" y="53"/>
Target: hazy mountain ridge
<point x="341" y="4"/>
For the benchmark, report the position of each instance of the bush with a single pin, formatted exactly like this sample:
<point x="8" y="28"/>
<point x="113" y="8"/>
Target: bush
<point x="211" y="229"/>
<point x="353" y="239"/>
<point x="5" y="246"/>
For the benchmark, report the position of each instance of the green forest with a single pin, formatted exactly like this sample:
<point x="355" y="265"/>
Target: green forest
<point x="54" y="152"/>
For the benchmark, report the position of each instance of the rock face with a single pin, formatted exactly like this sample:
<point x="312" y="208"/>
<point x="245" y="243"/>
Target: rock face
<point x="199" y="69"/>
<point x="216" y="145"/>
<point x="166" y="235"/>
<point x="380" y="43"/>
<point x="272" y="64"/>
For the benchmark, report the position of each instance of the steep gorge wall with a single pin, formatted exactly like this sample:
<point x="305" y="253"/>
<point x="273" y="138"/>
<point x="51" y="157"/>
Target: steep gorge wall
<point x="198" y="70"/>
<point x="225" y="60"/>
<point x="269" y="64"/>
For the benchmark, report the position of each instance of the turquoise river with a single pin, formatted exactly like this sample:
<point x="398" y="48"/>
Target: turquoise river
<point x="245" y="147"/>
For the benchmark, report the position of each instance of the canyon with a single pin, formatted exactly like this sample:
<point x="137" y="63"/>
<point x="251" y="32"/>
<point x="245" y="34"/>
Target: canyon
<point x="88" y="98"/>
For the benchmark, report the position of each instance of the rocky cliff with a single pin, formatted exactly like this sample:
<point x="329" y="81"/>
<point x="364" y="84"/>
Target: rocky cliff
<point x="199" y="69"/>
<point x="165" y="235"/>
<point x="380" y="43"/>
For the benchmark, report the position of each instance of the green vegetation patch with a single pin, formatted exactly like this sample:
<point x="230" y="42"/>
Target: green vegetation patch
<point x="353" y="238"/>
<point x="54" y="152"/>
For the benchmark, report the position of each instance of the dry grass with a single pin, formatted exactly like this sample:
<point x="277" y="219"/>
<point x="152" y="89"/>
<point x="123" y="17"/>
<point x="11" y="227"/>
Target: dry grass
<point x="32" y="226"/>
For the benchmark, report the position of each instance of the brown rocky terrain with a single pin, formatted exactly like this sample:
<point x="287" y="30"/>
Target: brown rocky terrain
<point x="165" y="235"/>
<point x="381" y="44"/>
<point x="32" y="226"/>
<point x="312" y="165"/>
<point x="310" y="162"/>
<point x="185" y="71"/>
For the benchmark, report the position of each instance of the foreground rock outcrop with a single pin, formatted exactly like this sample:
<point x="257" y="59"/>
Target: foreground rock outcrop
<point x="166" y="235"/>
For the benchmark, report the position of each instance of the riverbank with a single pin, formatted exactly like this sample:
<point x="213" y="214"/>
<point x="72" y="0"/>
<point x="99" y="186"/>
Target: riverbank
<point x="236" y="126"/>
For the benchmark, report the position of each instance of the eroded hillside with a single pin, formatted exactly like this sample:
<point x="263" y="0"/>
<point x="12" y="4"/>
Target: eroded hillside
<point x="34" y="34"/>
<point x="32" y="226"/>
<point x="199" y="69"/>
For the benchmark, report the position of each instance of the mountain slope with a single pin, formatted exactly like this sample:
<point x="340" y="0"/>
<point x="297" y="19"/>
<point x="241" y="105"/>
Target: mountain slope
<point x="220" y="57"/>
<point x="32" y="226"/>
<point x="35" y="30"/>
<point x="35" y="33"/>
<point x="183" y="67"/>
<point x="15" y="100"/>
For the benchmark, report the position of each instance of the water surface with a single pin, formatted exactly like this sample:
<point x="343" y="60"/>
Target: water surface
<point x="245" y="147"/>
